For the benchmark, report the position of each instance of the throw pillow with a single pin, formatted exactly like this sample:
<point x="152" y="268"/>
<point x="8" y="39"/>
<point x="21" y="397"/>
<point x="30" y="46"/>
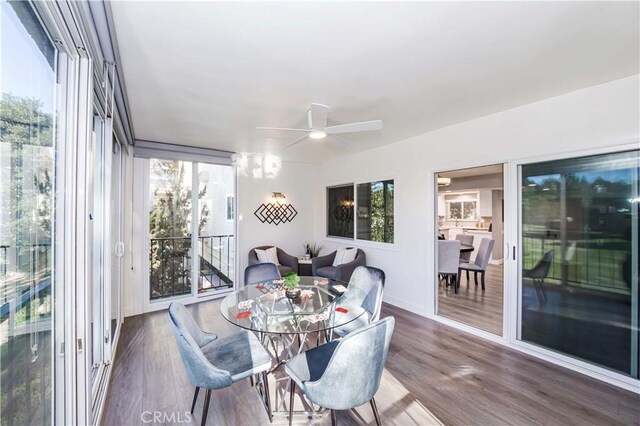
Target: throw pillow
<point x="269" y="255"/>
<point x="345" y="255"/>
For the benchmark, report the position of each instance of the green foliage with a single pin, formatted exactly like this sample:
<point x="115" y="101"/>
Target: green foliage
<point x="291" y="280"/>
<point x="312" y="249"/>
<point x="28" y="131"/>
<point x="170" y="228"/>
<point x="382" y="212"/>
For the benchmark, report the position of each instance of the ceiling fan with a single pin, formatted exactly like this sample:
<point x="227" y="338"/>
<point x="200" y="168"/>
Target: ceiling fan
<point x="317" y="116"/>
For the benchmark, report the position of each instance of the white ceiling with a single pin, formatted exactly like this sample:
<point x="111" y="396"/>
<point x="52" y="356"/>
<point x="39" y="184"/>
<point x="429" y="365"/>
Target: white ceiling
<point x="207" y="73"/>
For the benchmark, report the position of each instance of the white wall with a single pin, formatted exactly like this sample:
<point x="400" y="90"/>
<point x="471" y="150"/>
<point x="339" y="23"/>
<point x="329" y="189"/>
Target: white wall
<point x="295" y="181"/>
<point x="603" y="115"/>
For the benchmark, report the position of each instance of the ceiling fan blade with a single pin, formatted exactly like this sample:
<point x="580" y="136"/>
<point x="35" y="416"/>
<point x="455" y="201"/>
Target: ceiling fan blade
<point x="282" y="128"/>
<point x="362" y="126"/>
<point x="317" y="116"/>
<point x="300" y="139"/>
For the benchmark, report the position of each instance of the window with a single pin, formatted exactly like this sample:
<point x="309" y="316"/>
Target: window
<point x="340" y="211"/>
<point x="462" y="206"/>
<point x="374" y="207"/>
<point x="375" y="211"/>
<point x="229" y="207"/>
<point x="27" y="220"/>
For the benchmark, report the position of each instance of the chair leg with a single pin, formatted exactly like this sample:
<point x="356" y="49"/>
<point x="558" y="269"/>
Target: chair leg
<point x="475" y="277"/>
<point x="457" y="284"/>
<point x="374" y="407"/>
<point x="251" y="380"/>
<point x="467" y="276"/>
<point x="195" y="398"/>
<point x="265" y="384"/>
<point x="291" y="393"/>
<point x="205" y="410"/>
<point x="334" y="418"/>
<point x="482" y="279"/>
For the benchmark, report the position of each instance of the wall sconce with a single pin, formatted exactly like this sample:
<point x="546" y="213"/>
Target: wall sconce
<point x="278" y="197"/>
<point x="277" y="211"/>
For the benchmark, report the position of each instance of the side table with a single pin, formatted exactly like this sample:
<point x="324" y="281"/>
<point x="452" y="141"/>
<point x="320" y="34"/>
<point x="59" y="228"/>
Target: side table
<point x="304" y="267"/>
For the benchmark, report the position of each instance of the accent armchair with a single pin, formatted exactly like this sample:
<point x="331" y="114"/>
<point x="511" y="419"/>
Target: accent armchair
<point x="288" y="263"/>
<point x="322" y="266"/>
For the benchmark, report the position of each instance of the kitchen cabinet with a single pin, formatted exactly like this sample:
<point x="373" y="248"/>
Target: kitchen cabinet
<point x="442" y="209"/>
<point x="453" y="232"/>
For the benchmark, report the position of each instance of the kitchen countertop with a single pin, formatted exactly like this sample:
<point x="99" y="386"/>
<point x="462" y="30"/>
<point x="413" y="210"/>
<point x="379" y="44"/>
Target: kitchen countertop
<point x="468" y="228"/>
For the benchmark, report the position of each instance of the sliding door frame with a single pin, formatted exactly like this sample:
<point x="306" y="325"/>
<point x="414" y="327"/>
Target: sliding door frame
<point x="193" y="296"/>
<point x="512" y="265"/>
<point x="501" y="338"/>
<point x="514" y="304"/>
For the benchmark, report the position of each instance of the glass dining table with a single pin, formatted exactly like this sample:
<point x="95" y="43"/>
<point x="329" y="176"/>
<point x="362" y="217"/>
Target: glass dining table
<point x="264" y="308"/>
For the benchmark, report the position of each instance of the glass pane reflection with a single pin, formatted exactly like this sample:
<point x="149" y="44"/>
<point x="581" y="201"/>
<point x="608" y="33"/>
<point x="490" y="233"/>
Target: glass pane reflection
<point x="27" y="155"/>
<point x="580" y="258"/>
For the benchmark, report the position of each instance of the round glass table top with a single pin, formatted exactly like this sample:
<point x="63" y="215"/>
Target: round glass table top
<point x="264" y="307"/>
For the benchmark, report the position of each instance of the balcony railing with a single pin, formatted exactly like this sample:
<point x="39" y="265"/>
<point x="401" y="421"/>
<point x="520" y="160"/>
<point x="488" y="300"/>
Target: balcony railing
<point x="171" y="265"/>
<point x="592" y="262"/>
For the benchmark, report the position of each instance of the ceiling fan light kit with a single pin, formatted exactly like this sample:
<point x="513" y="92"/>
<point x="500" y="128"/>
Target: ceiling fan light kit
<point x="317" y="128"/>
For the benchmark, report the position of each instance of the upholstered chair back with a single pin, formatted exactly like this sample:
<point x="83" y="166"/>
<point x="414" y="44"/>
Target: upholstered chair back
<point x="448" y="256"/>
<point x="468" y="240"/>
<point x="261" y="272"/>
<point x="484" y="252"/>
<point x="541" y="270"/>
<point x="199" y="370"/>
<point x="352" y="376"/>
<point x="365" y="290"/>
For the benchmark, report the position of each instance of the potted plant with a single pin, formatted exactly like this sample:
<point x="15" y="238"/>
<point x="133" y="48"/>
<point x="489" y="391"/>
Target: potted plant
<point x="291" y="281"/>
<point x="313" y="250"/>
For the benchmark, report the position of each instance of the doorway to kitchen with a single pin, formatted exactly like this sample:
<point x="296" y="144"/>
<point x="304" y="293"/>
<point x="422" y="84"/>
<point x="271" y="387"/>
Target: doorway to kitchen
<point x="469" y="250"/>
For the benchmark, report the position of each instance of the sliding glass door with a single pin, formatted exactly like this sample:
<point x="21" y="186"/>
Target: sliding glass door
<point x="27" y="221"/>
<point x="190" y="245"/>
<point x="579" y="269"/>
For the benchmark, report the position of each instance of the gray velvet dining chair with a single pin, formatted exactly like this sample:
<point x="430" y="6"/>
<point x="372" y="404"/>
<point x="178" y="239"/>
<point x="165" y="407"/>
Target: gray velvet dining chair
<point x="481" y="262"/>
<point x="468" y="240"/>
<point x="345" y="373"/>
<point x="449" y="260"/>
<point x="364" y="291"/>
<point x="538" y="274"/>
<point x="215" y="363"/>
<point x="261" y="272"/>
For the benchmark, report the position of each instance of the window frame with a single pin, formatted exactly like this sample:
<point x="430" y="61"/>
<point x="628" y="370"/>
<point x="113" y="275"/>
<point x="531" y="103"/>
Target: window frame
<point x="476" y="200"/>
<point x="361" y="242"/>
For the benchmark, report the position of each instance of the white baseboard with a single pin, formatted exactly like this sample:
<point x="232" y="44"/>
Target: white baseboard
<point x="409" y="306"/>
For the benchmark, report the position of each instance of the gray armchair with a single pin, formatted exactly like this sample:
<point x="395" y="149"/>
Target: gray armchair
<point x="343" y="374"/>
<point x="322" y="266"/>
<point x="214" y="363"/>
<point x="288" y="263"/>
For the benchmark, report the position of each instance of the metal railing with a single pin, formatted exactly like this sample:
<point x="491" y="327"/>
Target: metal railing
<point x="170" y="257"/>
<point x="589" y="261"/>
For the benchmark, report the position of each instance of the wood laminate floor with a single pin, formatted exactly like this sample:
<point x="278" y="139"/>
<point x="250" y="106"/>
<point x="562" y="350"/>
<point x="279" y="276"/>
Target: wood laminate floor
<point x="473" y="306"/>
<point x="434" y="374"/>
